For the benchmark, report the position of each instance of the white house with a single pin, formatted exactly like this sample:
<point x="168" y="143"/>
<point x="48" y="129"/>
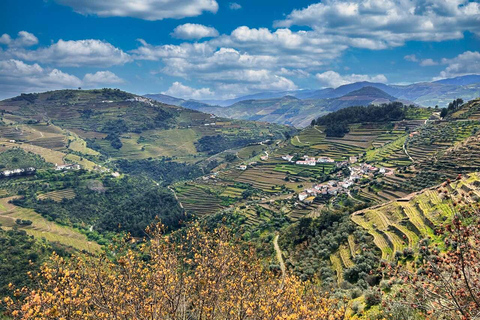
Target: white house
<point x="302" y="196"/>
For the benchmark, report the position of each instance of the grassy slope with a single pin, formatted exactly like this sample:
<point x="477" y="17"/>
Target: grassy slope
<point x="42" y="228"/>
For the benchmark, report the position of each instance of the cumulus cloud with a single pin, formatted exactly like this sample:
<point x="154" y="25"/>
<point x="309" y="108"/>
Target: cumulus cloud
<point x="142" y="9"/>
<point x="234" y="6"/>
<point x="102" y="77"/>
<point x="463" y="64"/>
<point x="334" y="79"/>
<point x="17" y="76"/>
<point x="73" y="53"/>
<point x="379" y="24"/>
<point x="428" y="63"/>
<point x="189" y="31"/>
<point x="182" y="91"/>
<point x="24" y="39"/>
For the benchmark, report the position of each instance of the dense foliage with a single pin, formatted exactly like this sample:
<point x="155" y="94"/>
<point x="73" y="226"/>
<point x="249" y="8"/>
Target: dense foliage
<point x="312" y="241"/>
<point x="163" y="171"/>
<point x="385" y="112"/>
<point x="201" y="275"/>
<point x="21" y="254"/>
<point x="128" y="204"/>
<point x="219" y="143"/>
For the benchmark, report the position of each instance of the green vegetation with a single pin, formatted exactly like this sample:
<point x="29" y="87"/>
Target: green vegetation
<point x="394" y="111"/>
<point x="109" y="205"/>
<point x="163" y="171"/>
<point x="19" y="158"/>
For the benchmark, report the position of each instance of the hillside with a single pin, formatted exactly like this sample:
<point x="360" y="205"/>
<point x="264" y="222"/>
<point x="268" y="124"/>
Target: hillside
<point x="297" y="112"/>
<point x="117" y="124"/>
<point x="402" y="223"/>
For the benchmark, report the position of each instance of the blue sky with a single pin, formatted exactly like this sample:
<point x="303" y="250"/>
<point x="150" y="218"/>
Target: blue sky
<point x="206" y="49"/>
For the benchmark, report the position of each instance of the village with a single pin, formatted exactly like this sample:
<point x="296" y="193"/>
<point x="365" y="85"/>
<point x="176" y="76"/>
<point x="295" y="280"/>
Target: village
<point x="337" y="187"/>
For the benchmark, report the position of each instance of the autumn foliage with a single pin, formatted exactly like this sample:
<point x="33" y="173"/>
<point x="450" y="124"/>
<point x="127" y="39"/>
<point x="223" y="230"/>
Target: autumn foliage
<point x="196" y="275"/>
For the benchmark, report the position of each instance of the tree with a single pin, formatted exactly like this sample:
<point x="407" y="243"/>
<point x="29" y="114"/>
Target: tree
<point x="312" y="123"/>
<point x="194" y="275"/>
<point x="444" y="112"/>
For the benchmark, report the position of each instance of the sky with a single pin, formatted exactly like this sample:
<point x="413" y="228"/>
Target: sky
<point x="213" y="49"/>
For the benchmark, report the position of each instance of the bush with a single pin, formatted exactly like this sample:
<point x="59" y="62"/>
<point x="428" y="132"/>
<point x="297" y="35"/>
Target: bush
<point x="373" y="297"/>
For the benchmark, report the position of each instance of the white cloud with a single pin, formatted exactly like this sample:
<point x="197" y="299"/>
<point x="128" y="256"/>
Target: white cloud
<point x="17" y="77"/>
<point x="428" y="63"/>
<point x="190" y="31"/>
<point x="422" y="62"/>
<point x="142" y="9"/>
<point x="334" y="79"/>
<point x="73" y="54"/>
<point x="379" y="24"/>
<point x="24" y="39"/>
<point x="102" y="77"/>
<point x="234" y="6"/>
<point x="185" y="92"/>
<point x="411" y="57"/>
<point x="465" y="63"/>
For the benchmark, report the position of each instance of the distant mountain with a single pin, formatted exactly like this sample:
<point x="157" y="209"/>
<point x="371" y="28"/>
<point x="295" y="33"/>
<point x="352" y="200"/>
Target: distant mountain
<point x="301" y="94"/>
<point x="298" y="112"/>
<point x="163" y="98"/>
<point x="298" y="107"/>
<point x="461" y="81"/>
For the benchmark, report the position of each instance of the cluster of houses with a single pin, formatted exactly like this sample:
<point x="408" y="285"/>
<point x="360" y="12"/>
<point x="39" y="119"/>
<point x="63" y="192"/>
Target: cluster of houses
<point x="17" y="172"/>
<point x="334" y="188"/>
<point x="308" y="161"/>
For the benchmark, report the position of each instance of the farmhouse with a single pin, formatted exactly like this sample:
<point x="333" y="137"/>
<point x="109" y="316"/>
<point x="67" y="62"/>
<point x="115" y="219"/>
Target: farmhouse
<point x="67" y="167"/>
<point x="287" y="157"/>
<point x="306" y="162"/>
<point x="302" y="196"/>
<point x="325" y="160"/>
<point x="353" y="159"/>
<point x="242" y="167"/>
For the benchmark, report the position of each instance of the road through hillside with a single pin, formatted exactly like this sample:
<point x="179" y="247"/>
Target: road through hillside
<point x="278" y="253"/>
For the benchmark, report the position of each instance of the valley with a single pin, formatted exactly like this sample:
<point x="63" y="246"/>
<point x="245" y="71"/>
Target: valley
<point x="355" y="188"/>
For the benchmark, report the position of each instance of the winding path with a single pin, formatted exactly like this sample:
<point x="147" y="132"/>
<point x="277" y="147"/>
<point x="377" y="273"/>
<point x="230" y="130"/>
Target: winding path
<point x="406" y="152"/>
<point x="278" y="253"/>
<point x="175" y="195"/>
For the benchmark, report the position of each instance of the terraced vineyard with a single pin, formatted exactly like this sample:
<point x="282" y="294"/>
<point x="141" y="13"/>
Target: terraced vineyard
<point x="198" y="200"/>
<point x="469" y="111"/>
<point x="402" y="223"/>
<point x="436" y="137"/>
<point x="462" y="158"/>
<point x="58" y="195"/>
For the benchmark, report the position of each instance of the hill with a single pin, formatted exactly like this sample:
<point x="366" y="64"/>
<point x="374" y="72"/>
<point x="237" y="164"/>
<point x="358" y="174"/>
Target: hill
<point x="297" y="112"/>
<point x="118" y="124"/>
